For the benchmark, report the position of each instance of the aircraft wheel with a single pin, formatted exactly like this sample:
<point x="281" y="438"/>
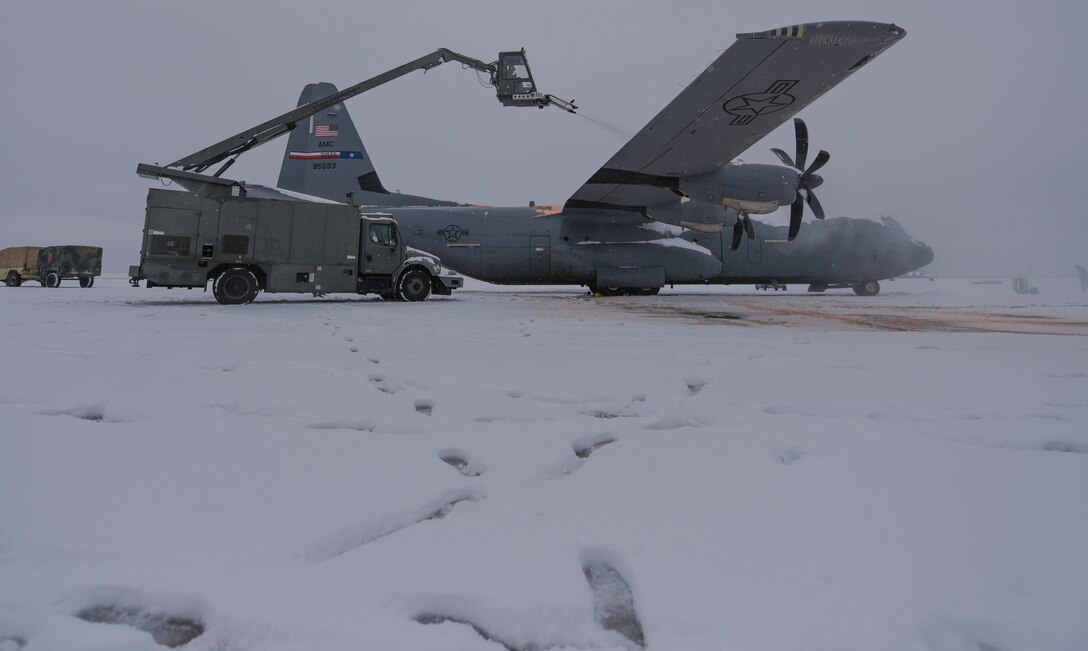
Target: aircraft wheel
<point x="646" y="291"/>
<point x="13" y="280"/>
<point x="867" y="288"/>
<point x="235" y="287"/>
<point x="414" y="285"/>
<point x="86" y="281"/>
<point x="817" y="288"/>
<point x="52" y="279"/>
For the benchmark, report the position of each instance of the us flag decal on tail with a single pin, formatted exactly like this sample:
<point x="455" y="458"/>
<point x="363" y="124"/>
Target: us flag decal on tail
<point x="326" y="130"/>
<point x="314" y="155"/>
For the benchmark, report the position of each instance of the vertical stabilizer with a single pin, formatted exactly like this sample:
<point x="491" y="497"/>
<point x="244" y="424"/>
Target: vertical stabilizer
<point x="326" y="158"/>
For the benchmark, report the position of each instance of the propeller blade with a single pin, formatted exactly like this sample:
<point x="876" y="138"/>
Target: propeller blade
<point x="783" y="156"/>
<point x="801" y="131"/>
<point x="814" y="203"/>
<point x="820" y="161"/>
<point x="797" y="209"/>
<point x="748" y="228"/>
<point x="738" y="231"/>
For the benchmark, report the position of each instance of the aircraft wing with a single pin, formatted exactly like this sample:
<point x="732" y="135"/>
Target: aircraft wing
<point x="755" y="86"/>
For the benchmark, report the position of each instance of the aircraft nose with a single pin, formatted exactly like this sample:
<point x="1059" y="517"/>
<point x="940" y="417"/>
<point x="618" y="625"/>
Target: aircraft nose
<point x="922" y="255"/>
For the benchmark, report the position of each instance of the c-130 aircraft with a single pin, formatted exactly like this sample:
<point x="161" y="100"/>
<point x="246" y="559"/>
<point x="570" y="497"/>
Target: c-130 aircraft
<point x="672" y="206"/>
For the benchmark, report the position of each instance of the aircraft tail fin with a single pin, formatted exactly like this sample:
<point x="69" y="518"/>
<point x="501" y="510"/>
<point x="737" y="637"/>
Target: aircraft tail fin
<point x="325" y="156"/>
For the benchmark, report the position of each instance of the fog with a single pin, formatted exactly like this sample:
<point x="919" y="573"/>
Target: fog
<point x="969" y="131"/>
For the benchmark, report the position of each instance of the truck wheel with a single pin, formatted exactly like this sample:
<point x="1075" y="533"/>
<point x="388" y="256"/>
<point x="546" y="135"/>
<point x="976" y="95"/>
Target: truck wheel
<point x="867" y="288"/>
<point x="235" y="287"/>
<point x="414" y="285"/>
<point x="13" y="280"/>
<point x="52" y="279"/>
<point x="86" y="281"/>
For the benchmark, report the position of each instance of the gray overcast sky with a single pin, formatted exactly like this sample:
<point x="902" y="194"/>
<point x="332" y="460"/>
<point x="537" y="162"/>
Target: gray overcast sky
<point x="970" y="131"/>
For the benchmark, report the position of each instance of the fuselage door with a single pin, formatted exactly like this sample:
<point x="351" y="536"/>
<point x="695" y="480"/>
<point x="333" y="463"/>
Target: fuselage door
<point x="381" y="248"/>
<point x="540" y="260"/>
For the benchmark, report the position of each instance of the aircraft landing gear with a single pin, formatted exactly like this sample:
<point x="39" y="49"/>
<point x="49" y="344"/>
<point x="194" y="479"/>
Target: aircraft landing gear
<point x="623" y="291"/>
<point x="867" y="288"/>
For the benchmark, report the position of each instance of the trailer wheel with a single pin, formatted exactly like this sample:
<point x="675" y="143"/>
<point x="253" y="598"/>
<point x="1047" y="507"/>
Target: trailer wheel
<point x="414" y="285"/>
<point x="52" y="279"/>
<point x="86" y="281"/>
<point x="867" y="288"/>
<point x="235" y="287"/>
<point x="13" y="279"/>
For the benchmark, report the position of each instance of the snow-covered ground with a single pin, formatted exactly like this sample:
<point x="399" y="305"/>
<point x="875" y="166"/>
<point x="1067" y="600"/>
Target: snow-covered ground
<point x="711" y="468"/>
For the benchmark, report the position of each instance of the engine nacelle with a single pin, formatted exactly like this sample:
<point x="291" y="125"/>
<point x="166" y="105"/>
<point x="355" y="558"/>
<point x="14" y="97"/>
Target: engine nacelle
<point x="751" y="188"/>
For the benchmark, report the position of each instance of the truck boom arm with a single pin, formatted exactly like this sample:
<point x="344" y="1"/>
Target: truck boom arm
<point x="242" y="142"/>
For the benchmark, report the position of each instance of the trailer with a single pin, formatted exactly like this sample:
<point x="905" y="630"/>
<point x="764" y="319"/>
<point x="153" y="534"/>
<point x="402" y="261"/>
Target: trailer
<point x="49" y="265"/>
<point x="242" y="246"/>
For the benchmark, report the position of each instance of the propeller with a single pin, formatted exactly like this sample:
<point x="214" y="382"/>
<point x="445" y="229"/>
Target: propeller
<point x="743" y="225"/>
<point x="809" y="179"/>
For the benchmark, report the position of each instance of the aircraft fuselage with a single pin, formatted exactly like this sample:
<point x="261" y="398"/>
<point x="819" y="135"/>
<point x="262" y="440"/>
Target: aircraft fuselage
<point x="535" y="245"/>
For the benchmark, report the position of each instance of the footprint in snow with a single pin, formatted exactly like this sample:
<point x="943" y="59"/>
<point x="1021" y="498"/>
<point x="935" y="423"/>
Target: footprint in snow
<point x="433" y="618"/>
<point x="1065" y="446"/>
<point x="586" y="445"/>
<point x="166" y="629"/>
<point x="613" y="601"/>
<point x="358" y="426"/>
<point x="788" y="454"/>
<point x="462" y="462"/>
<point x="424" y="406"/>
<point x="11" y="643"/>
<point x="674" y="422"/>
<point x="93" y="413"/>
<point x="583" y="447"/>
<point x="384" y="385"/>
<point x="353" y="349"/>
<point x="695" y="386"/>
<point x="373" y="360"/>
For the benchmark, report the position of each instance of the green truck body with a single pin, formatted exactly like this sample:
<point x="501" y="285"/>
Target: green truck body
<point x="244" y="245"/>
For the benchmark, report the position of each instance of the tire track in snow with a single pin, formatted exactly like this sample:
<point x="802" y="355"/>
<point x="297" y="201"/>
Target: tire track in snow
<point x="353" y="536"/>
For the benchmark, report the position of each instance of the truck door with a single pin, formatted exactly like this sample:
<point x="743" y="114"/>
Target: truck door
<point x="381" y="248"/>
